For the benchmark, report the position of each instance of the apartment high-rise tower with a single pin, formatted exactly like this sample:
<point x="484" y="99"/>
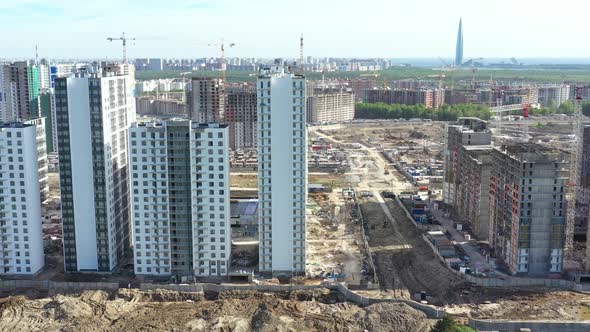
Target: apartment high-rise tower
<point x="528" y="207"/>
<point x="180" y="191"/>
<point x="282" y="170"/>
<point x="93" y="115"/>
<point x="21" y="239"/>
<point x="19" y="91"/>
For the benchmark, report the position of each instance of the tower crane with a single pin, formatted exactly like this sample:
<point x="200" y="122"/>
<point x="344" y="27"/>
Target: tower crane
<point x="183" y="74"/>
<point x="574" y="176"/>
<point x="452" y="69"/>
<point x="301" y="54"/>
<point x="124" y="40"/>
<point x="221" y="45"/>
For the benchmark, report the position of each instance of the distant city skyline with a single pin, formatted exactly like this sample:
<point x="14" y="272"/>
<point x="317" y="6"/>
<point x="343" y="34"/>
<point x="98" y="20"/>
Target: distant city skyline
<point x="372" y="28"/>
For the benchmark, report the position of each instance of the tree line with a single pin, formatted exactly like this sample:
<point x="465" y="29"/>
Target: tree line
<point x="449" y="112"/>
<point x="398" y="111"/>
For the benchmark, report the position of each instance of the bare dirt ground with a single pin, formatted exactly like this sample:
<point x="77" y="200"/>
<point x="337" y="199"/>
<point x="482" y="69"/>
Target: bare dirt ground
<point x="526" y="303"/>
<point x="334" y="244"/>
<point x="132" y="310"/>
<point x="250" y="180"/>
<point x="405" y="264"/>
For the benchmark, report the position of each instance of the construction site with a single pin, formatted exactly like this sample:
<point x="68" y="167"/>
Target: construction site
<point x="365" y="228"/>
<point x="393" y="157"/>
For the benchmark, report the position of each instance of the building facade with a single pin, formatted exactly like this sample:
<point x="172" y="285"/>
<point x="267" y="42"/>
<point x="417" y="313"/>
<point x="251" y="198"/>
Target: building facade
<point x="180" y="193"/>
<point x="466" y="132"/>
<point x="473" y="175"/>
<point x="93" y="115"/>
<point x="47" y="104"/>
<point x="430" y="98"/>
<point x="330" y="105"/>
<point x="241" y="117"/>
<point x="527" y="208"/>
<point x="169" y="108"/>
<point x="42" y="163"/>
<point x="359" y="86"/>
<point x="553" y="95"/>
<point x="5" y="95"/>
<point x="21" y="235"/>
<point x="19" y="83"/>
<point x="206" y="100"/>
<point x="583" y="194"/>
<point x="282" y="170"/>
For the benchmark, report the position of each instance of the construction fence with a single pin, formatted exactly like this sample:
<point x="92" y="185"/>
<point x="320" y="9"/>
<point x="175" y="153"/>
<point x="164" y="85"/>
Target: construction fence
<point x="430" y="311"/>
<point x="48" y="285"/>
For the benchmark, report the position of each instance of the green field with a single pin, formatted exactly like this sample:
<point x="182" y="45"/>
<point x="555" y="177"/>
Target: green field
<point x="534" y="75"/>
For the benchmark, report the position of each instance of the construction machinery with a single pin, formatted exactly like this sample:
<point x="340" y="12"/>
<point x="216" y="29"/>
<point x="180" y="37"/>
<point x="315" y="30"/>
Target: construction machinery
<point x="124" y="40"/>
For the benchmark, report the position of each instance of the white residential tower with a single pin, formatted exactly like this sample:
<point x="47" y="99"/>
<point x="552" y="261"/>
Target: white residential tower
<point x="282" y="170"/>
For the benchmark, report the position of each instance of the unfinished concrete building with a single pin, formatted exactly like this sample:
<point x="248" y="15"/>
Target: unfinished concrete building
<point x="473" y="183"/>
<point x="330" y="105"/>
<point x="206" y="100"/>
<point x="583" y="193"/>
<point x="553" y="95"/>
<point x="527" y="208"/>
<point x="465" y="132"/>
<point x="430" y="98"/>
<point x="241" y="116"/>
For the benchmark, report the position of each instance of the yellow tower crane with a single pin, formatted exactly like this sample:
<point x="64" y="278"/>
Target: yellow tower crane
<point x="221" y="44"/>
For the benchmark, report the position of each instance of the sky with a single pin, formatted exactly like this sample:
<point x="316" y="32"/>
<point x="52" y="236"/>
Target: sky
<point x="271" y="28"/>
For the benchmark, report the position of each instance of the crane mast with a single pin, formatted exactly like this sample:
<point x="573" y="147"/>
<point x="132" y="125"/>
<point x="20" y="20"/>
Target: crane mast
<point x="574" y="181"/>
<point x="301" y="54"/>
<point x="221" y="44"/>
<point x="124" y="40"/>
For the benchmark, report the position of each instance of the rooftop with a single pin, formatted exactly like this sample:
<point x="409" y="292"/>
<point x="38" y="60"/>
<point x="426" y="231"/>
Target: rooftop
<point x="16" y="125"/>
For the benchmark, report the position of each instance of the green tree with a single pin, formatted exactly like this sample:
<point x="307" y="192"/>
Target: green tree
<point x="566" y="108"/>
<point x="397" y="111"/>
<point x="447" y="324"/>
<point x="586" y="108"/>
